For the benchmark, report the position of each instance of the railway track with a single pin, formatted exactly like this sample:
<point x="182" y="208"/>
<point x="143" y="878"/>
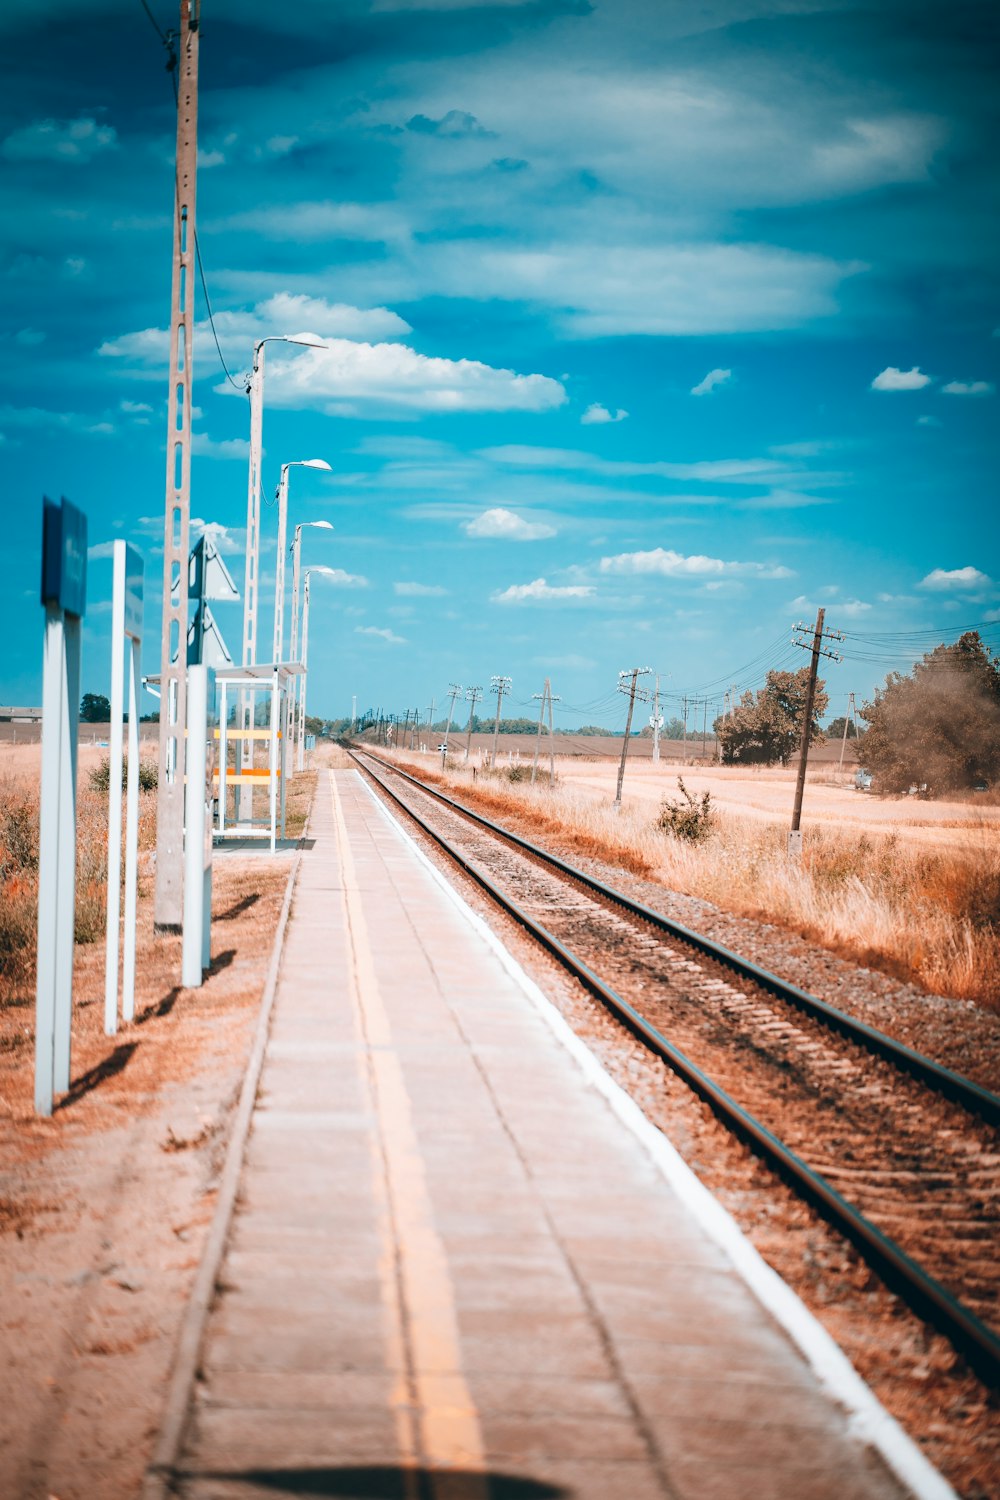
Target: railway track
<point x="901" y="1155"/>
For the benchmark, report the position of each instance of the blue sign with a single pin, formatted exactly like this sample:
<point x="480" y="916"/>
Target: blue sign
<point x="64" y="557"/>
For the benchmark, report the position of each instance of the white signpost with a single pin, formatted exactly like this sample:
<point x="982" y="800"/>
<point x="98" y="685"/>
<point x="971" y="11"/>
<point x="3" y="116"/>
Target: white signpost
<point x="196" y="950"/>
<point x="126" y="623"/>
<point x="64" y="594"/>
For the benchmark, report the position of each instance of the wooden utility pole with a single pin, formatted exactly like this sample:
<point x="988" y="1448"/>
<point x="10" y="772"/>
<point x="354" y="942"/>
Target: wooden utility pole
<point x="818" y="650"/>
<point x="498" y="685"/>
<point x="546" y="698"/>
<point x="454" y="691"/>
<point x="656" y="721"/>
<point x="633" y="691"/>
<point x="473" y="696"/>
<point x="851" y="715"/>
<point x="168" y="904"/>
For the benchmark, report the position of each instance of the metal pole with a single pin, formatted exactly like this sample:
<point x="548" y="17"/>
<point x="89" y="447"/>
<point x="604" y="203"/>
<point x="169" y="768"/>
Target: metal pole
<point x="173" y="655"/>
<point x="279" y="567"/>
<point x="301" y="736"/>
<point x="131" y="831"/>
<point x="111" y="942"/>
<point x="800" y="779"/>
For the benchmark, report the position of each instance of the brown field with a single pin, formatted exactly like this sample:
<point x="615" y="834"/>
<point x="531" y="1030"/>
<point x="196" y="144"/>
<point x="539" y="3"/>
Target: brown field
<point x="903" y="885"/>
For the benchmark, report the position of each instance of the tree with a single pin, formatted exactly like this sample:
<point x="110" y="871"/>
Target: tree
<point x="767" y="726"/>
<point x="835" y="729"/>
<point x="95" y="709"/>
<point x="940" y="725"/>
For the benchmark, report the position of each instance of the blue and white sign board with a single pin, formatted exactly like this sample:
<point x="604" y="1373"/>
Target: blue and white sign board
<point x="64" y="558"/>
<point x="126" y="624"/>
<point x="64" y="595"/>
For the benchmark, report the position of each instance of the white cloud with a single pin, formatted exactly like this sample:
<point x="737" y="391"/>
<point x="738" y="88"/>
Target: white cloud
<point x="145" y="351"/>
<point x="600" y="291"/>
<point x="669" y="564"/>
<point x="385" y="635"/>
<point x="507" y="526"/>
<point x="891" y="379"/>
<point x="396" y="375"/>
<point x="929" y="422"/>
<point x="340" y="579"/>
<point x="784" y="500"/>
<point x="955" y="578"/>
<point x="209" y="159"/>
<point x="407" y="590"/>
<point x="135" y="408"/>
<point x="539" y="590"/>
<point x="229" y="540"/>
<point x="60" y="140"/>
<point x="596" y="413"/>
<point x="100" y="550"/>
<point x="320" y="220"/>
<point x="969" y="388"/>
<point x="207" y="447"/>
<point x="711" y="380"/>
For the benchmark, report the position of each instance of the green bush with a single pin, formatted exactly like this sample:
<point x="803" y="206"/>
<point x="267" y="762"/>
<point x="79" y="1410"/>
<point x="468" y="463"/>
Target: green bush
<point x="100" y="776"/>
<point x="689" y="817"/>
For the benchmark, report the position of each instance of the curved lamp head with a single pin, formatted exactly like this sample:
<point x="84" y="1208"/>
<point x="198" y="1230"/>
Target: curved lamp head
<point x="313" y="463"/>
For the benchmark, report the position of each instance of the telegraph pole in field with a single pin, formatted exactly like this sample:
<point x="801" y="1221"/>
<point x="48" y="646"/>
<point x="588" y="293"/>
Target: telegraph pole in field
<point x="634" y="692"/>
<point x="656" y="721"/>
<point x="852" y="715"/>
<point x="454" y="691"/>
<point x="498" y="685"/>
<point x="818" y="650"/>
<point x="546" y="698"/>
<point x="473" y="695"/>
<point x="168" y="905"/>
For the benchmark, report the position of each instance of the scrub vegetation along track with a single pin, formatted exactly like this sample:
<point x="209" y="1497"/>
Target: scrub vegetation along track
<point x="898" y="1153"/>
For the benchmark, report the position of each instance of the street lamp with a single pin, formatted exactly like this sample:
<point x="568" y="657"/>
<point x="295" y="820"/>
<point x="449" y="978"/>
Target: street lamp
<point x="281" y="495"/>
<point x="291" y="724"/>
<point x="248" y="656"/>
<point x="331" y="572"/>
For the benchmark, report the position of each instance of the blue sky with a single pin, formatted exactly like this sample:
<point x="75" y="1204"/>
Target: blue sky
<point x="649" y="327"/>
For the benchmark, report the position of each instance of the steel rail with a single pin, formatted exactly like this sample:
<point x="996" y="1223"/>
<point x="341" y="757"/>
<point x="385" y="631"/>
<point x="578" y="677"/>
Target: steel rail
<point x="978" y="1344"/>
<point x="954" y="1086"/>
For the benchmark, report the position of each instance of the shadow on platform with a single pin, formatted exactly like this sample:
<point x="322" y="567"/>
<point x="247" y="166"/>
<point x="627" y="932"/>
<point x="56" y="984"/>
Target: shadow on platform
<point x="262" y="845"/>
<point x="387" y="1482"/>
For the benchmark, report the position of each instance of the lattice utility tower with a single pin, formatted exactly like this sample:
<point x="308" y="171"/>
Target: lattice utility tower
<point x="168" y="906"/>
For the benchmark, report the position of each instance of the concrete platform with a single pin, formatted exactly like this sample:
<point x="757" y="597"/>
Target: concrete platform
<point x="451" y="1261"/>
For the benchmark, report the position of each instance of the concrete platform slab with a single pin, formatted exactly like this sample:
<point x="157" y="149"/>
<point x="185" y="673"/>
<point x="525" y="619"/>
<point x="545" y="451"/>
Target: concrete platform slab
<point x="451" y="1258"/>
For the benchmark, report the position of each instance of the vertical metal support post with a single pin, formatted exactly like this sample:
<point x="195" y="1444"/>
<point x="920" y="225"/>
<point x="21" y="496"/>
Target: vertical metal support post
<point x="255" y="390"/>
<point x="173" y="705"/>
<point x="196" y="946"/>
<point x="53" y="699"/>
<point x="111" y="944"/>
<point x="273" y="755"/>
<point x="301" y="731"/>
<point x="223" y="756"/>
<point x="66" y="874"/>
<point x="131" y="832"/>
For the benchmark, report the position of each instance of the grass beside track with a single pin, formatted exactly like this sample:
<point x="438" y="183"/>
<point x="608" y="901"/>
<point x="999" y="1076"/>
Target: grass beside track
<point x="925" y="916"/>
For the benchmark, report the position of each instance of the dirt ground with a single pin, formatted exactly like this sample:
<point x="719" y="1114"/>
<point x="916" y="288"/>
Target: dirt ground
<point x="104" y="1207"/>
<point x="767" y="794"/>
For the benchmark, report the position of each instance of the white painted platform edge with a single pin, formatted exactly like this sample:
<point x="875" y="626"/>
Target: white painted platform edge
<point x="868" y="1419"/>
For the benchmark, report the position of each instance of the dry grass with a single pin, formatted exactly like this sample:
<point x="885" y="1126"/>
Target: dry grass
<point x="927" y="916"/>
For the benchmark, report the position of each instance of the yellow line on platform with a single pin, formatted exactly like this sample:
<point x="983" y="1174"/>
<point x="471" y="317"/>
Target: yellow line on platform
<point x="449" y="1428"/>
